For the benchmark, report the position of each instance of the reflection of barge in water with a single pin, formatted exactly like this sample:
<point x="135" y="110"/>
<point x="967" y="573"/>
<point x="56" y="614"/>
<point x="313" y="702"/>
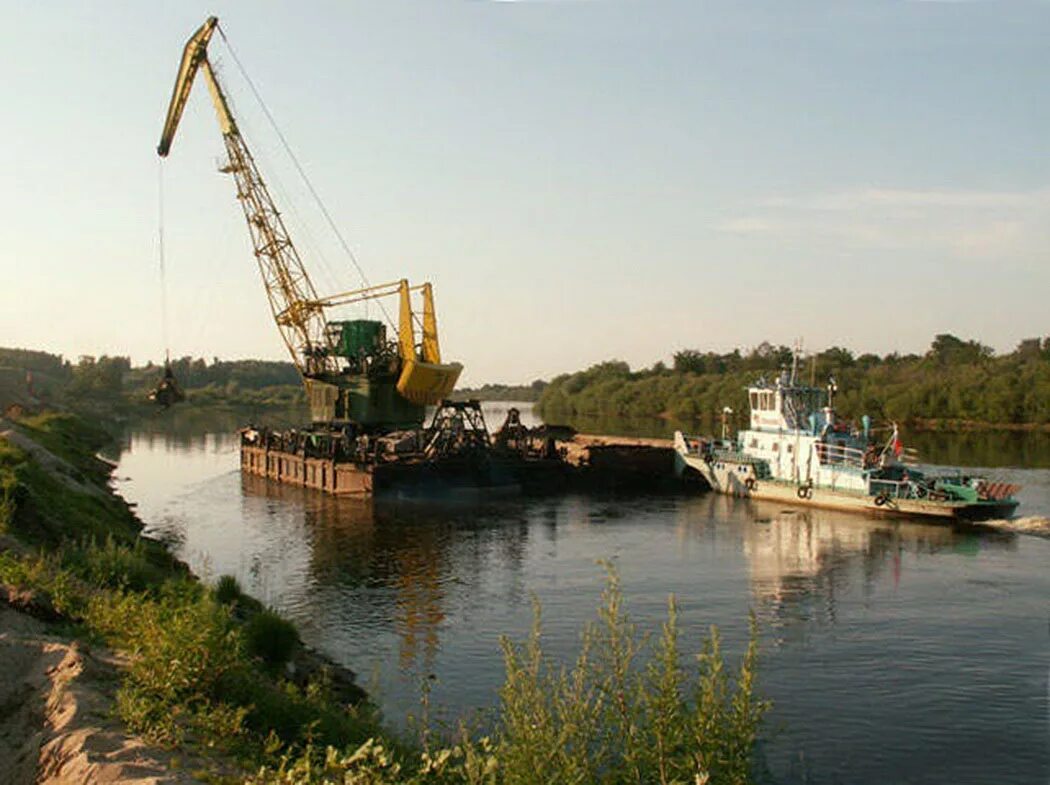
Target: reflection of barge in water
<point x="454" y="454"/>
<point x="797" y="452"/>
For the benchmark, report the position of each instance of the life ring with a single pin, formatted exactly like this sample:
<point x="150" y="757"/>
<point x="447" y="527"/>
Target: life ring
<point x="881" y="499"/>
<point x="750" y="483"/>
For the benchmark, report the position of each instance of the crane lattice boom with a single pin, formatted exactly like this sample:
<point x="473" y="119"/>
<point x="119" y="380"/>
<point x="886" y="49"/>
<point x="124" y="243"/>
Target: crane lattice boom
<point x="352" y="374"/>
<point x="293" y="299"/>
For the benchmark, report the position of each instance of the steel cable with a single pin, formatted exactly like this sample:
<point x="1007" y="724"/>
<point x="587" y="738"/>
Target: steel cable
<point x="302" y="172"/>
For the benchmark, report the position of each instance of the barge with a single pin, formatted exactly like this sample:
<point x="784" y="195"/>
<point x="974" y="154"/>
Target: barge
<point x="456" y="455"/>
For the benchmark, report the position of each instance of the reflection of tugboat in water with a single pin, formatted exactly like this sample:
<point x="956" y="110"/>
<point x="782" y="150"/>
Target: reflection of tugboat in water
<point x="796" y="451"/>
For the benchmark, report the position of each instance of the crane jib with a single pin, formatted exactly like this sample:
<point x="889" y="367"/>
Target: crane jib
<point x="388" y="381"/>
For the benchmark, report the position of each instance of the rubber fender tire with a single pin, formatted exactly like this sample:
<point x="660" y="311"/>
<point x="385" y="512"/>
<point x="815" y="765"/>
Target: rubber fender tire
<point x="803" y="492"/>
<point x="880" y="500"/>
<point x="920" y="492"/>
<point x="750" y="483"/>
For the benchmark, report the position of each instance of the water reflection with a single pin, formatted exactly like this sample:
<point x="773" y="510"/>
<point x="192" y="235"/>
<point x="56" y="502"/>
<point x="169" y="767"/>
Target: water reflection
<point x="889" y="645"/>
<point x="402" y="556"/>
<point x="799" y="560"/>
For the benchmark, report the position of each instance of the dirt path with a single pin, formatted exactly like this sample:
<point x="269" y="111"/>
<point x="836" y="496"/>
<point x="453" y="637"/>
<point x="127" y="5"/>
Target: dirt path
<point x="56" y="723"/>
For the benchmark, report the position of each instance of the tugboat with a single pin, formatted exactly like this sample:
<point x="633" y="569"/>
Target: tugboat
<point x="796" y="451"/>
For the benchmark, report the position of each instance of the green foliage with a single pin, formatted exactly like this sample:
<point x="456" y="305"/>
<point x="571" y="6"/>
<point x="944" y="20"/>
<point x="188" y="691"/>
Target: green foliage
<point x="182" y="651"/>
<point x="193" y="672"/>
<point x="223" y="382"/>
<point x="228" y="590"/>
<point x="502" y="392"/>
<point x="607" y="719"/>
<point x="955" y="381"/>
<point x="106" y="385"/>
<point x="271" y="639"/>
<point x="114" y="565"/>
<point x="74" y="439"/>
<point x="10" y="458"/>
<point x="98" y="378"/>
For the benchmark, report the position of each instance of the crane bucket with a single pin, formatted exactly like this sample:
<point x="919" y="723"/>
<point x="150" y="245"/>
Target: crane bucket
<point x="427" y="383"/>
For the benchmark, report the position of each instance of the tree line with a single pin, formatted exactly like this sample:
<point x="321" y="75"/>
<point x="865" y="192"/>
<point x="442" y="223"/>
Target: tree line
<point x="114" y="381"/>
<point x="956" y="380"/>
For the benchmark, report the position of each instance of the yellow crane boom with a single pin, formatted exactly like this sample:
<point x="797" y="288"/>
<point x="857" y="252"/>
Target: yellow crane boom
<point x="293" y="299"/>
<point x="333" y="374"/>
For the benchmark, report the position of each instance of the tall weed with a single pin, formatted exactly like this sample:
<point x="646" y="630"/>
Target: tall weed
<point x="607" y="719"/>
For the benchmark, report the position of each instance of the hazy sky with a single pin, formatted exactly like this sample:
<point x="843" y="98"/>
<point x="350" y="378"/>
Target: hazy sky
<point x="580" y="180"/>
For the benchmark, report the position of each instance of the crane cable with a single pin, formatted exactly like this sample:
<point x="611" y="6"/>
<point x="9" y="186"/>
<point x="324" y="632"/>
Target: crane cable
<point x="302" y="172"/>
<point x="160" y="253"/>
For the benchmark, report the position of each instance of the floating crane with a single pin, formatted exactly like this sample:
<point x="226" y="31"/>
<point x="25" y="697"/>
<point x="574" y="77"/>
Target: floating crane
<point x="352" y="374"/>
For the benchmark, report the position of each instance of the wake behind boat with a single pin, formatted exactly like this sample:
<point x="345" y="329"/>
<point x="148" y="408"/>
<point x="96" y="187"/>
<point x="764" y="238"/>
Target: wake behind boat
<point x="796" y="451"/>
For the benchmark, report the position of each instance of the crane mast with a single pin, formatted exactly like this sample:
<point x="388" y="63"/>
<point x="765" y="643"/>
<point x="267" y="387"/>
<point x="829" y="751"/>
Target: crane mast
<point x="351" y="373"/>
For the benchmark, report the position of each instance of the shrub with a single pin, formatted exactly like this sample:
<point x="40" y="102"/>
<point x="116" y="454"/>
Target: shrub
<point x="228" y="590"/>
<point x="182" y="649"/>
<point x="271" y="639"/>
<point x="607" y="719"/>
<point x="114" y="565"/>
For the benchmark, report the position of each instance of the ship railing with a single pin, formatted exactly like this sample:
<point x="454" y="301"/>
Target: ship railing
<point x="896" y="489"/>
<point x="840" y="455"/>
<point x="698" y="445"/>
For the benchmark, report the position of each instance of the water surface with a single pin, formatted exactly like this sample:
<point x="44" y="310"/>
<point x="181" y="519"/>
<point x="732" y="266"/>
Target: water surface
<point x="894" y="651"/>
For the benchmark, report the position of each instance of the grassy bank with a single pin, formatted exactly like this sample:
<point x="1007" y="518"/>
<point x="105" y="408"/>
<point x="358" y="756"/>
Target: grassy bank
<point x="210" y="671"/>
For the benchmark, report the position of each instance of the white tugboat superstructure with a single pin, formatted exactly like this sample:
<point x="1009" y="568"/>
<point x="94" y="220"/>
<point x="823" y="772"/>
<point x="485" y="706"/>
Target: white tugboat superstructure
<point x="795" y="450"/>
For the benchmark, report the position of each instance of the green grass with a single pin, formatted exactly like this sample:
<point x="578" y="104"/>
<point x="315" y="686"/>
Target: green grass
<point x="270" y="638"/>
<point x="228" y="590"/>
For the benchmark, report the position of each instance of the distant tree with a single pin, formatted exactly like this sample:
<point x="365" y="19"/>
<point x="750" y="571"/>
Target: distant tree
<point x="947" y="349"/>
<point x="836" y="357"/>
<point x="689" y="361"/>
<point x="1029" y="349"/>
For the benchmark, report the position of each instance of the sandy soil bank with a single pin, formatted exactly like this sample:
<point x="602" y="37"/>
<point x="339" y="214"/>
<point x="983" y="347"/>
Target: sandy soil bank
<point x="56" y="722"/>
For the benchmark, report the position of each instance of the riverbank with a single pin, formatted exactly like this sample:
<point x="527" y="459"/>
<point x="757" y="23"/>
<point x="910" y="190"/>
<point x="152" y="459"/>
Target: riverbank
<point x="202" y="683"/>
<point x="123" y="666"/>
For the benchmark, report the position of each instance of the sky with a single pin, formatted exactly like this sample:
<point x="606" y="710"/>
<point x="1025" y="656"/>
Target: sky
<point x="580" y="180"/>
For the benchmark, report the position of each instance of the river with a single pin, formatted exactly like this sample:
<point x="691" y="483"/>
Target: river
<point x="894" y="651"/>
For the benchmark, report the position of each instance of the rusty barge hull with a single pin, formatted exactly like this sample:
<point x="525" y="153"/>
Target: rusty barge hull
<point x="581" y="464"/>
<point x="352" y="478"/>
